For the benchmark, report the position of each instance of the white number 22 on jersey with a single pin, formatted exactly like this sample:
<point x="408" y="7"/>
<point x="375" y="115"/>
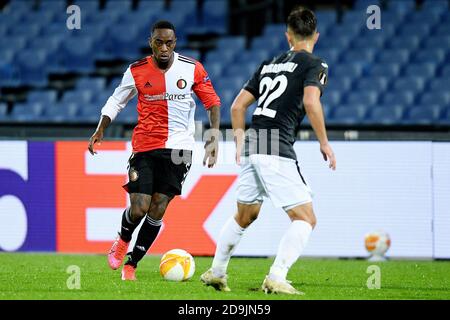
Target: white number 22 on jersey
<point x="265" y="86"/>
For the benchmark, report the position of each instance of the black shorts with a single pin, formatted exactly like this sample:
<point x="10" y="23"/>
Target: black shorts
<point x="158" y="171"/>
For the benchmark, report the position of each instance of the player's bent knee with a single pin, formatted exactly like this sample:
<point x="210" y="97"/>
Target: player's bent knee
<point x="247" y="213"/>
<point x="303" y="212"/>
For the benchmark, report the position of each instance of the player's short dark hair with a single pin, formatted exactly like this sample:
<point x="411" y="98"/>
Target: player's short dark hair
<point x="163" y="24"/>
<point x="302" y="22"/>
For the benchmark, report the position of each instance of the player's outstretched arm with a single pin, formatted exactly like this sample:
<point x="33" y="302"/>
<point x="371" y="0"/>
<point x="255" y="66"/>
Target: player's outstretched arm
<point x="97" y="137"/>
<point x="238" y="109"/>
<point x="313" y="108"/>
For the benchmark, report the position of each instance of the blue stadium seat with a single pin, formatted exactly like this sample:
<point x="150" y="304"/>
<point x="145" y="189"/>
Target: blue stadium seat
<point x="235" y="42"/>
<point x="153" y="6"/>
<point x="214" y="12"/>
<point x="100" y="98"/>
<point x="363" y="43"/>
<point x="331" y="56"/>
<point x="27" y="110"/>
<point x="246" y="70"/>
<point x="57" y="7"/>
<point x="89" y="113"/>
<point x="41" y="17"/>
<point x="438" y="41"/>
<point x="441" y="98"/>
<point x="408" y="41"/>
<point x="188" y="6"/>
<point x="3" y="111"/>
<point x="431" y="55"/>
<point x="339" y="83"/>
<point x="349" y="114"/>
<point x="253" y="55"/>
<point x="359" y="55"/>
<point x="364" y="97"/>
<point x="108" y="17"/>
<point x="93" y="84"/>
<point x="386" y="115"/>
<point x="439" y="84"/>
<point x="124" y="44"/>
<point x="399" y="56"/>
<point x="27" y="31"/>
<point x="16" y="44"/>
<point x="402" y="7"/>
<point x="445" y="71"/>
<point x="423" y="114"/>
<point x="272" y="43"/>
<point x="424" y="17"/>
<point x="414" y="82"/>
<point x="350" y="30"/>
<point x="225" y="56"/>
<point x="274" y="29"/>
<point x="214" y="70"/>
<point x="325" y="19"/>
<point x="426" y="70"/>
<point x="419" y="30"/>
<point x="128" y="114"/>
<point x="331" y="97"/>
<point x="113" y="84"/>
<point x="190" y="53"/>
<point x="118" y="5"/>
<point x="63" y="112"/>
<point x="78" y="54"/>
<point x="335" y="40"/>
<point x="19" y="6"/>
<point x="230" y="83"/>
<point x="32" y="67"/>
<point x="46" y="97"/>
<point x="445" y="117"/>
<point x="378" y="84"/>
<point x="79" y="97"/>
<point x="363" y="4"/>
<point x="435" y="5"/>
<point x="399" y="97"/>
<point x="89" y="5"/>
<point x="390" y="70"/>
<point x="6" y="56"/>
<point x="352" y="70"/>
<point x="442" y="30"/>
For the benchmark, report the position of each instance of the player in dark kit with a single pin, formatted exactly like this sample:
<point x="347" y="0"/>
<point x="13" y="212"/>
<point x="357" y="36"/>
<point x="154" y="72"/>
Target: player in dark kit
<point x="287" y="88"/>
<point x="163" y="138"/>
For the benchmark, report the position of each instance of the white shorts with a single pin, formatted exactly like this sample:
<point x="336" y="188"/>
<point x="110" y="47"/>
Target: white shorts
<point x="275" y="177"/>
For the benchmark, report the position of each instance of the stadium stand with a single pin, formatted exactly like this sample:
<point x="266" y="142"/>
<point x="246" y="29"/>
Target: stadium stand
<point x="398" y="75"/>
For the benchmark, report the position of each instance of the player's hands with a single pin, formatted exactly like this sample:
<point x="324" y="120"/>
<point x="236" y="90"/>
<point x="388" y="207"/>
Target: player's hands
<point x="211" y="152"/>
<point x="328" y="154"/>
<point x="97" y="137"/>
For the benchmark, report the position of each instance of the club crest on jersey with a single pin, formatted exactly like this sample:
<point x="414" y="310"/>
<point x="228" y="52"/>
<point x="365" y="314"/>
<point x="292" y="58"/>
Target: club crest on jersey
<point x="133" y="175"/>
<point x="181" y="83"/>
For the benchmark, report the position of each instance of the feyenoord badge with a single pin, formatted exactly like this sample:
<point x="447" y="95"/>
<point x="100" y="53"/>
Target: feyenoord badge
<point x="181" y="83"/>
<point x="133" y="174"/>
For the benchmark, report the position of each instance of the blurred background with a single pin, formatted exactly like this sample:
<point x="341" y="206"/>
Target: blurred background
<point x="382" y="83"/>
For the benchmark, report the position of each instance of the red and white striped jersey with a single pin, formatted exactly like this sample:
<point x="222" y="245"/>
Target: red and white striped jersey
<point x="165" y="104"/>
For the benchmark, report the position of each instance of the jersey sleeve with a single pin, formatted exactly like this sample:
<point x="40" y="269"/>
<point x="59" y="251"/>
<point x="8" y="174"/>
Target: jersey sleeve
<point x="317" y="75"/>
<point x="252" y="85"/>
<point x="121" y="96"/>
<point x="203" y="87"/>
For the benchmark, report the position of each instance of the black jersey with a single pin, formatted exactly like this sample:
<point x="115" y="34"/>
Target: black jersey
<point x="277" y="86"/>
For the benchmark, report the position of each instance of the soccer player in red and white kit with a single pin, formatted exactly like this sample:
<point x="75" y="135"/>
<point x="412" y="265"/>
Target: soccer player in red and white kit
<point x="162" y="140"/>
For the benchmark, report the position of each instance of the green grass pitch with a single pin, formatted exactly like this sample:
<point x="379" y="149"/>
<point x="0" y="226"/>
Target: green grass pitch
<point x="45" y="276"/>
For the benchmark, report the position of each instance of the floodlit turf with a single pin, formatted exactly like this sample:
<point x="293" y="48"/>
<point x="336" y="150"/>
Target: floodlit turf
<point x="44" y="276"/>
